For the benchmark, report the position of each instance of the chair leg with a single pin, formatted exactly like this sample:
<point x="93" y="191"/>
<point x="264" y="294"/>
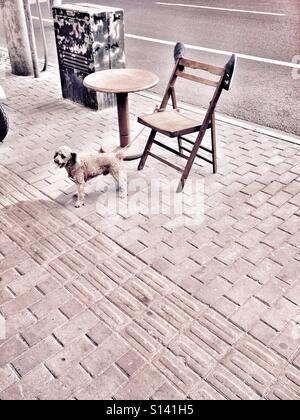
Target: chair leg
<point x="180" y="144"/>
<point x="214" y="143"/>
<point x="147" y="150"/>
<point x="190" y="163"/>
<point x="181" y="185"/>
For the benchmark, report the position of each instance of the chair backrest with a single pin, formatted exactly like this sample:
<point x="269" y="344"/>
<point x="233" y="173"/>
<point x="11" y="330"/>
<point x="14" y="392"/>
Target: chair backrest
<point x="182" y="64"/>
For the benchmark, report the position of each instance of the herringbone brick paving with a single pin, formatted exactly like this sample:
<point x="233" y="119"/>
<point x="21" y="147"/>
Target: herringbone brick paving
<point x="104" y="306"/>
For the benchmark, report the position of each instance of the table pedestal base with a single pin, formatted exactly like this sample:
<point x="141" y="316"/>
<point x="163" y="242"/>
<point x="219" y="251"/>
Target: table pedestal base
<point x="124" y="119"/>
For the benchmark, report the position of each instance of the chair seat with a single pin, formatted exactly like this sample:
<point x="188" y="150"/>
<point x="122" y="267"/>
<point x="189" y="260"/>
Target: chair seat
<point x="171" y="123"/>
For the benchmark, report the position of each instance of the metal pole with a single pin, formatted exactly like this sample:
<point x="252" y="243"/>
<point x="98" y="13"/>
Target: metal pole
<point x="43" y="35"/>
<point x="31" y="36"/>
<point x="14" y="23"/>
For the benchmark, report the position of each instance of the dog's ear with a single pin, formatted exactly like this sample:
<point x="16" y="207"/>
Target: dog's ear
<point x="74" y="158"/>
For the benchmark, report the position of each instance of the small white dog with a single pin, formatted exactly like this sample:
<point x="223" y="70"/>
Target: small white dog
<point x="81" y="169"/>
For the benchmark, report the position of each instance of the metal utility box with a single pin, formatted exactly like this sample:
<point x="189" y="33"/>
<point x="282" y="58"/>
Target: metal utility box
<point x="89" y="38"/>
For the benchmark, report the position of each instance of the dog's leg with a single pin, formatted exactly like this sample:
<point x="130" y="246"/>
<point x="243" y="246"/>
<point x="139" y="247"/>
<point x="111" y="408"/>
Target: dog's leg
<point x="121" y="179"/>
<point x="80" y="196"/>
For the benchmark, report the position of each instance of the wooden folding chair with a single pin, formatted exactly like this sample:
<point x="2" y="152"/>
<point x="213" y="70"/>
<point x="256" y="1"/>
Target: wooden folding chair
<point x="174" y="125"/>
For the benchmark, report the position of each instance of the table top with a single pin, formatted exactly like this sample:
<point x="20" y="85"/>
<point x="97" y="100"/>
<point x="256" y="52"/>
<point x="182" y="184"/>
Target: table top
<point x="121" y="81"/>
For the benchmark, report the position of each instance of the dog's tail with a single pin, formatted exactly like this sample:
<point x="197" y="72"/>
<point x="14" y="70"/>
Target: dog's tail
<point x="119" y="153"/>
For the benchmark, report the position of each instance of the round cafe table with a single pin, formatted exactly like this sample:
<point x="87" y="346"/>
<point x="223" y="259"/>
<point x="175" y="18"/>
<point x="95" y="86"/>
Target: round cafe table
<point x="122" y="82"/>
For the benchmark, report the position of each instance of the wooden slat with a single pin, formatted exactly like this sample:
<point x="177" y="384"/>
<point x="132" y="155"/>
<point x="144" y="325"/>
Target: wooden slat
<point x="198" y="156"/>
<point x="206" y="149"/>
<point x="166" y="162"/>
<point x="158" y="143"/>
<point x="197" y="79"/>
<point x="196" y="65"/>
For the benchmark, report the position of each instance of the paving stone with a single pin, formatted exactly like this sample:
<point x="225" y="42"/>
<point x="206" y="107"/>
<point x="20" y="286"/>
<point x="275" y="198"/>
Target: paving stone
<point x="11" y="349"/>
<point x="18" y="323"/>
<point x="127" y="303"/>
<point x="78" y="325"/>
<point x="271" y="291"/>
<point x="142" y="339"/>
<point x="177" y="372"/>
<point x="225" y="307"/>
<point x="157" y="327"/>
<point x="290" y="273"/>
<point x="281" y="392"/>
<point x="287" y="342"/>
<point x="170" y="313"/>
<point x="69" y="356"/>
<point x="104" y="386"/>
<point x="167" y="393"/>
<point x="229" y="385"/>
<point x="50" y="302"/>
<point x="265" y="271"/>
<point x="99" y="333"/>
<point x="269" y="224"/>
<point x="21" y="302"/>
<point x="221" y="327"/>
<point x="110" y="314"/>
<point x="63" y="388"/>
<point x="131" y="362"/>
<point x="248" y="314"/>
<point x="193" y="355"/>
<point x="141" y="386"/>
<point x="249" y="372"/>
<point x="280" y="314"/>
<point x="36" y="355"/>
<point x="294" y="294"/>
<point x="237" y="270"/>
<point x="71" y="308"/>
<point x="210" y="271"/>
<point x="243" y="290"/>
<point x="211" y="292"/>
<point x="29" y="386"/>
<point x="258" y="254"/>
<point x="7" y="378"/>
<point x="43" y="328"/>
<point x="291" y="380"/>
<point x="264" y="333"/>
<point x="107" y="353"/>
<point x="230" y="255"/>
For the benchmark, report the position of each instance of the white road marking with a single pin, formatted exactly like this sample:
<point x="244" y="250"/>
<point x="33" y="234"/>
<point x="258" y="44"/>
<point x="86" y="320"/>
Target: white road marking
<point x="220" y="9"/>
<point x="204" y="49"/>
<point x="211" y="50"/>
<point x="44" y="20"/>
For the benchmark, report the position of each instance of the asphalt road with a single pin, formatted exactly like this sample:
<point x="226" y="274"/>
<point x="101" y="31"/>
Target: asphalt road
<point x="264" y="92"/>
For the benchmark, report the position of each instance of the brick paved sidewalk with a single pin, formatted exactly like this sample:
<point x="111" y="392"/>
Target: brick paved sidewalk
<point x="104" y="306"/>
